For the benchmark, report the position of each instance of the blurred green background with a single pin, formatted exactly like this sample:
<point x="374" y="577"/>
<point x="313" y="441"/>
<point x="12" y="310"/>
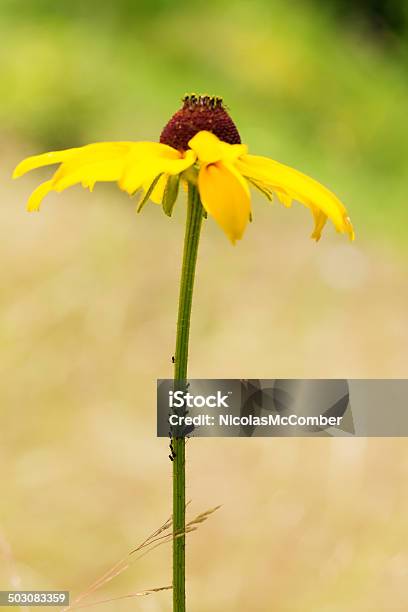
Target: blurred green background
<point x="89" y="294"/>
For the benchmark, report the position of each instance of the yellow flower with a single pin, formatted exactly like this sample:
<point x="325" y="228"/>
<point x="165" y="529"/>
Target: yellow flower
<point x="200" y="144"/>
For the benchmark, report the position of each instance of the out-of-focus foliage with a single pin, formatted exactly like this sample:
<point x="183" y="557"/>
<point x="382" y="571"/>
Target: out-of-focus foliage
<point x="383" y="16"/>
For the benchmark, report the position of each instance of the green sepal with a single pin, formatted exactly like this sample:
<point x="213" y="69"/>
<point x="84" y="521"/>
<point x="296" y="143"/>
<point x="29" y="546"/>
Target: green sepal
<point x="148" y="193"/>
<point x="266" y="192"/>
<point x="170" y="194"/>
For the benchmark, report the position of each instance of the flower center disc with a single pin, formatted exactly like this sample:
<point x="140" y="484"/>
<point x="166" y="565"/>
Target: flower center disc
<point x="199" y="113"/>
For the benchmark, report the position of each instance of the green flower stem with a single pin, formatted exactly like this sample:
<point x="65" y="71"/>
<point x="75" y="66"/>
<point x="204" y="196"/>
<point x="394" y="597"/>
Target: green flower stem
<point x="191" y="240"/>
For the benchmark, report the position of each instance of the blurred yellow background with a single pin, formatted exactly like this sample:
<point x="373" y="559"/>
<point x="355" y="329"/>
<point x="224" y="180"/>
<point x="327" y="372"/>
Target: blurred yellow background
<point x="89" y="296"/>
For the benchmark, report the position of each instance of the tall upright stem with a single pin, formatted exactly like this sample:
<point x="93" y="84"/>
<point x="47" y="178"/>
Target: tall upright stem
<point x="191" y="240"/>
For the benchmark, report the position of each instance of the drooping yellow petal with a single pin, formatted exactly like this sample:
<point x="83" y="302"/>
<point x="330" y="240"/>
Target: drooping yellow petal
<point x="225" y="199"/>
<point x="207" y="147"/>
<point x="35" y="199"/>
<point x="298" y="186"/>
<point x="95" y="151"/>
<point x="38" y="161"/>
<point x="210" y="149"/>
